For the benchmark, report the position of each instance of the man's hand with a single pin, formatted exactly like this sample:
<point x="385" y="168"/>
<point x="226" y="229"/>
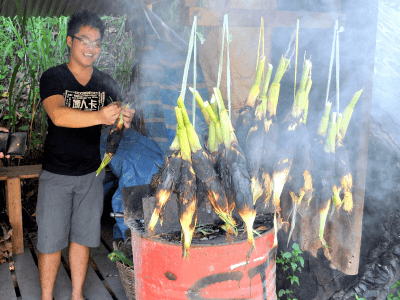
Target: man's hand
<point x="2" y="129"/>
<point x="109" y="114"/>
<point x="128" y="115"/>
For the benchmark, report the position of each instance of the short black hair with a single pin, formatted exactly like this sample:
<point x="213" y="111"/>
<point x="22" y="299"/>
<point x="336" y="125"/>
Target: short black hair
<point x="84" y="18"/>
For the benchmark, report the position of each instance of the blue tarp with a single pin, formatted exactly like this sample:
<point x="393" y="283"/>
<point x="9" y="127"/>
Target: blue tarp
<point x="161" y="57"/>
<point x="134" y="163"/>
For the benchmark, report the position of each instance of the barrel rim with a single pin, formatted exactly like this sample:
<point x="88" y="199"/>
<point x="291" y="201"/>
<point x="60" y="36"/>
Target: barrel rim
<point x="145" y="237"/>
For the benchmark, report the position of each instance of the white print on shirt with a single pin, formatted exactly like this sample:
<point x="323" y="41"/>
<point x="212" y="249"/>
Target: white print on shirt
<point x="91" y="101"/>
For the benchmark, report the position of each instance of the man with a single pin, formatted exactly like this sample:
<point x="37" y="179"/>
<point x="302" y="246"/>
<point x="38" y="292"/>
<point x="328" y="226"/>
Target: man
<point x="78" y="99"/>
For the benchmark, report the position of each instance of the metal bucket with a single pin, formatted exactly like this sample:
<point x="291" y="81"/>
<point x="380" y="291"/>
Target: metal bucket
<point x="212" y="271"/>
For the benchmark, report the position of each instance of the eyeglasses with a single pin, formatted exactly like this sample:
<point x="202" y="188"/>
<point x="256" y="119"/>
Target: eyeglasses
<point x="88" y="43"/>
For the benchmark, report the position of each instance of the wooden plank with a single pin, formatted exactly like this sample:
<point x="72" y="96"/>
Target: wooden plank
<point x="251" y="18"/>
<point x="6" y="283"/>
<point x="93" y="287"/>
<point x="14" y="212"/>
<point x="62" y="286"/>
<point x="23" y="172"/>
<point x="108" y="270"/>
<point x="27" y="276"/>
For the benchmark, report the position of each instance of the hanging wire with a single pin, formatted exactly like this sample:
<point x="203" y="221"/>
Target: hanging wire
<point x="297" y="52"/>
<point x="260" y="38"/>
<point x="222" y="52"/>
<point x="188" y="58"/>
<point x="337" y="66"/>
<point x="194" y="75"/>
<point x="228" y="75"/>
<point x="331" y="62"/>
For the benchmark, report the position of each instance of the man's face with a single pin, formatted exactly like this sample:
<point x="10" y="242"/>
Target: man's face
<point x="85" y="46"/>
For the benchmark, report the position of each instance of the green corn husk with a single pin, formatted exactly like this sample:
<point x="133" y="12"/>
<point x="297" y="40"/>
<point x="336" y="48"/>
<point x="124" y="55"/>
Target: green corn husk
<point x="183" y="139"/>
<point x="214" y="105"/>
<point x="200" y="102"/>
<point x="283" y="64"/>
<point x="117" y="255"/>
<point x="323" y="215"/>
<point x="301" y="95"/>
<point x="263" y="95"/>
<point x="323" y="125"/>
<point x="306" y="102"/>
<point x="336" y="201"/>
<point x="106" y="160"/>
<point x="273" y="97"/>
<point x="175" y="143"/>
<point x="273" y="94"/>
<point x="255" y="89"/>
<point x="216" y="122"/>
<point x="118" y="127"/>
<point x="305" y="75"/>
<point x="187" y="200"/>
<point x="348" y="112"/>
<point x="331" y="138"/>
<point x="226" y="128"/>
<point x="209" y="177"/>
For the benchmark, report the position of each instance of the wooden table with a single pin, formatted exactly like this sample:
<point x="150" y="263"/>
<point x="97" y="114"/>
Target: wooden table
<point x="13" y="176"/>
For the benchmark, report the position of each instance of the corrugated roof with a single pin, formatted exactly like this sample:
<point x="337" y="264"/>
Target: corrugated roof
<point x="52" y="8"/>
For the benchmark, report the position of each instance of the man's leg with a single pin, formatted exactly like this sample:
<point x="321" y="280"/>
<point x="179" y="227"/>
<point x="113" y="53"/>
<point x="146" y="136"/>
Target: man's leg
<point x="48" y="269"/>
<point x="87" y="208"/>
<point x="79" y="261"/>
<point x="53" y="214"/>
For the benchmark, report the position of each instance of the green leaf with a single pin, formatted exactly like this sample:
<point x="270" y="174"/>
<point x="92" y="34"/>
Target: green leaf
<point x="294" y="266"/>
<point x="25" y="127"/>
<point x="296" y="247"/>
<point x="201" y="37"/>
<point x="295" y="279"/>
<point x="395" y="285"/>
<point x="301" y="261"/>
<point x="287" y="255"/>
<point x="119" y="255"/>
<point x="281" y="293"/>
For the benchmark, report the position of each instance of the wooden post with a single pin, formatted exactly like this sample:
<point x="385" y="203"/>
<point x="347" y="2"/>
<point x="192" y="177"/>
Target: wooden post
<point x="14" y="208"/>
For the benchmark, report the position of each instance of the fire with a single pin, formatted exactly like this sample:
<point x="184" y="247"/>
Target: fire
<point x="163" y="196"/>
<point x="268" y="186"/>
<point x="347" y="183"/>
<point x="279" y="180"/>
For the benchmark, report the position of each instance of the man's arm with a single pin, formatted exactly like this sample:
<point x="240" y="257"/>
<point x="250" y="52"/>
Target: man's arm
<point x="63" y="116"/>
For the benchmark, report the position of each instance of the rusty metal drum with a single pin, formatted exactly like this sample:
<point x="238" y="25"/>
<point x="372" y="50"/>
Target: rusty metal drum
<point x="212" y="271"/>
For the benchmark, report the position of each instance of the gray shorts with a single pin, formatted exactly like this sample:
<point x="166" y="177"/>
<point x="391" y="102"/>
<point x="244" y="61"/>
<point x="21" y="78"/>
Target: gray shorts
<point x="69" y="208"/>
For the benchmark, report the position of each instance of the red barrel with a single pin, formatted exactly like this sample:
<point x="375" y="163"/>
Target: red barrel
<point x="212" y="271"/>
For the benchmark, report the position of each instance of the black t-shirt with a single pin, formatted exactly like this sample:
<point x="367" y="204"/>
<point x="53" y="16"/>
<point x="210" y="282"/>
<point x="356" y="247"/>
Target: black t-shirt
<point x="75" y="151"/>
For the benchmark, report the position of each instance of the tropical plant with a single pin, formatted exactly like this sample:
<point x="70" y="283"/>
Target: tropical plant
<point x="290" y="263"/>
